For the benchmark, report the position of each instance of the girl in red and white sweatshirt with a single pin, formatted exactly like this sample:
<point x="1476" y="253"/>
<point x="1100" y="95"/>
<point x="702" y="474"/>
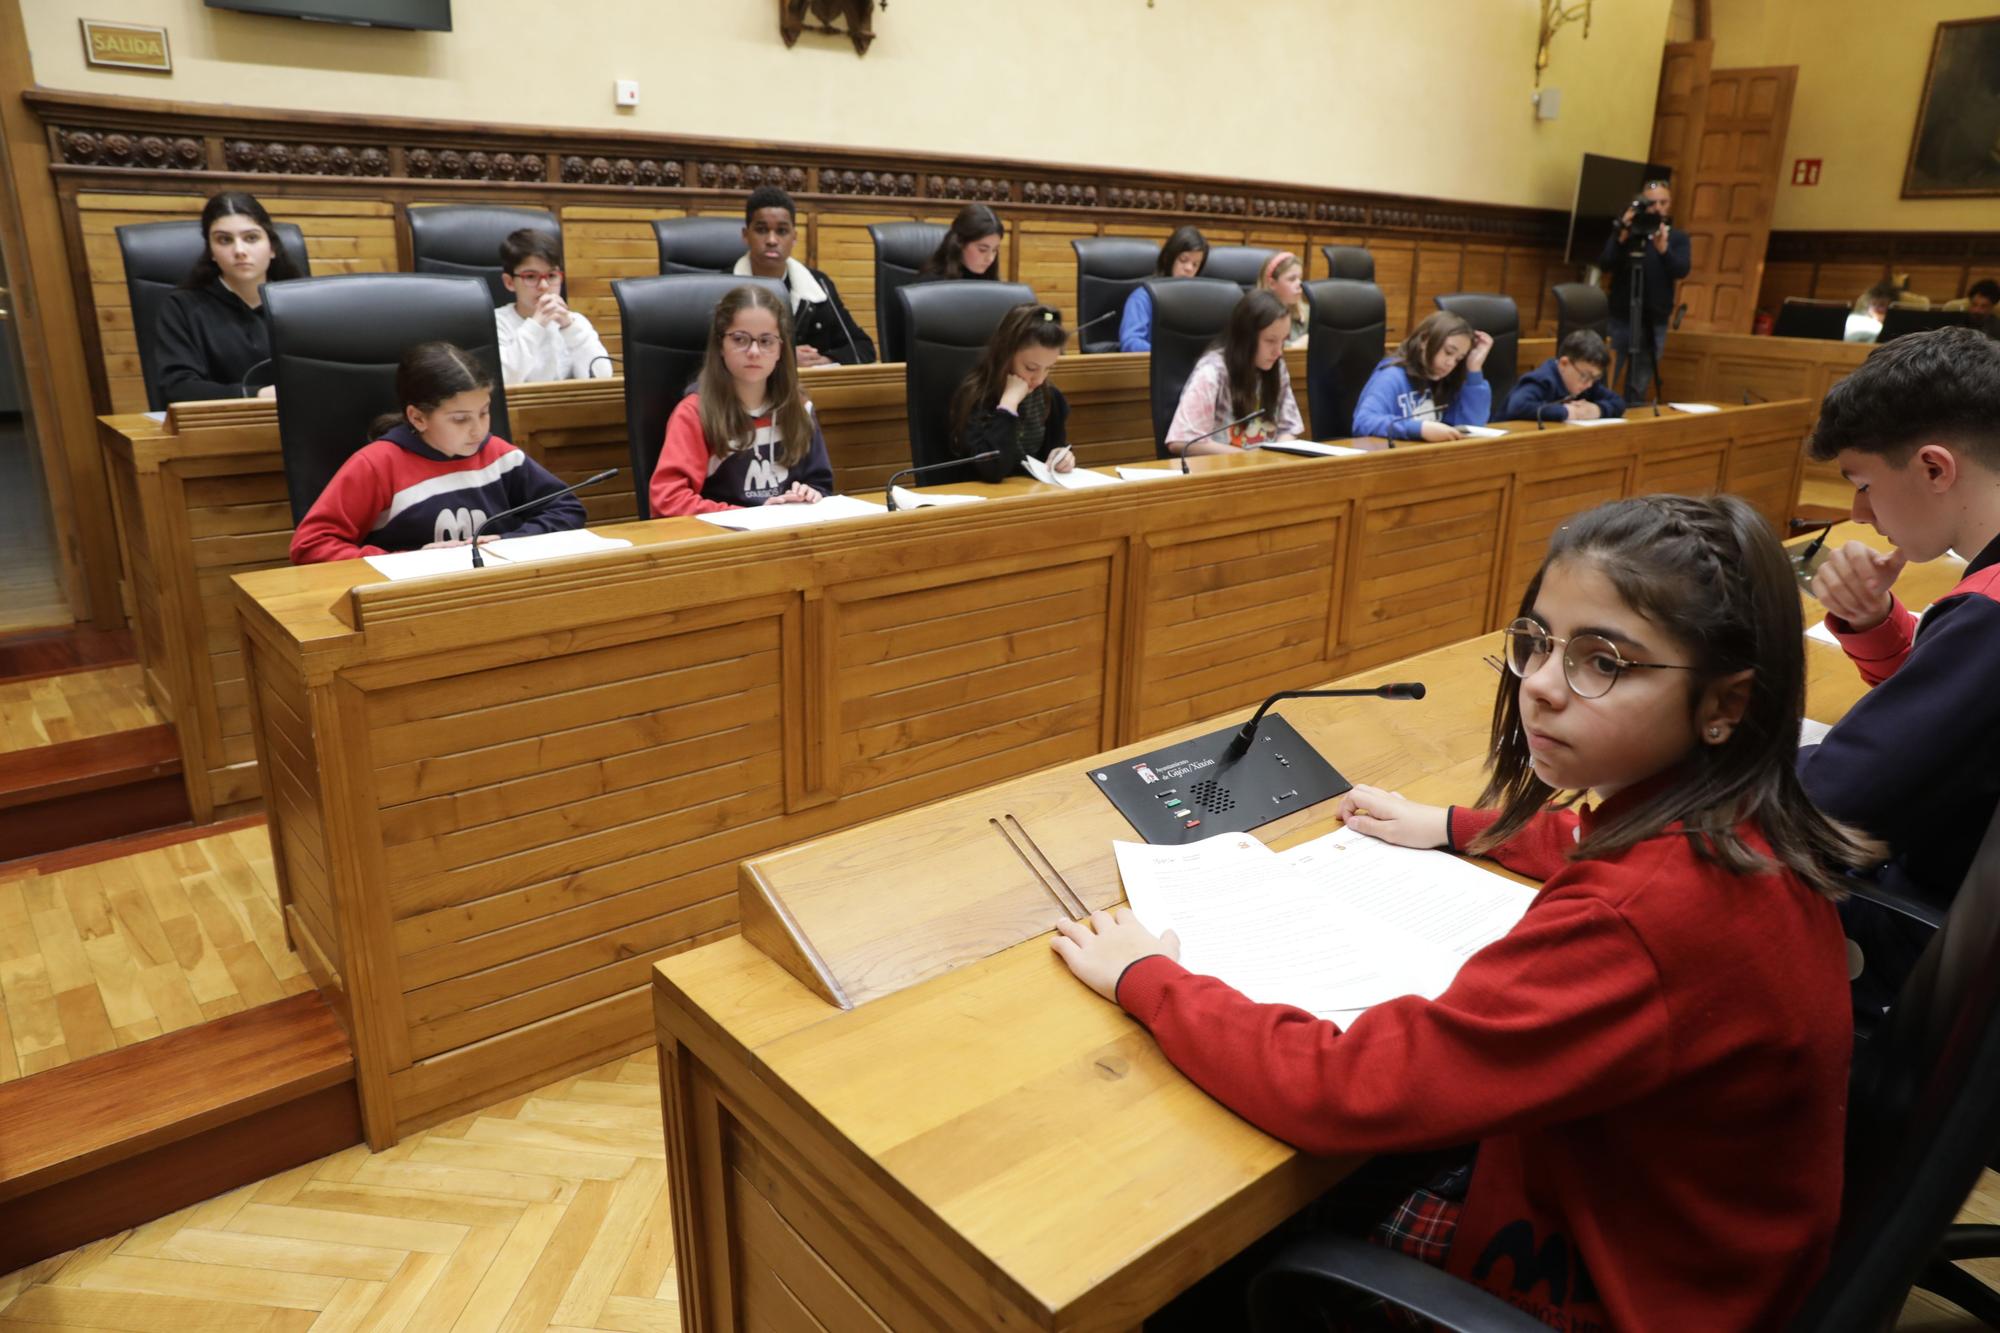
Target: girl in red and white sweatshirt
<point x="435" y="474"/>
<point x="1653" y="1063"/>
<point x="746" y="436"/>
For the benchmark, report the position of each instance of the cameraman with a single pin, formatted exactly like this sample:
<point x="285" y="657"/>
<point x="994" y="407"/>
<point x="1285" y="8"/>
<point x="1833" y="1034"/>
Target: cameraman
<point x="1666" y="258"/>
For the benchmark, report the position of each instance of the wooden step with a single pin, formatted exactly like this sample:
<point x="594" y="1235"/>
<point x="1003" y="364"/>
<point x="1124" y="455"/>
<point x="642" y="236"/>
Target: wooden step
<point x="52" y="652"/>
<point x="91" y="1148"/>
<point x="83" y="791"/>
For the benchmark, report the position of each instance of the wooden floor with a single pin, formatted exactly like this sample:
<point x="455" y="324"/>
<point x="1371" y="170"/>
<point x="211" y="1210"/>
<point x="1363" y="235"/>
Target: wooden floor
<point x="545" y="1212"/>
<point x="548" y="1211"/>
<point x="111" y="952"/>
<point x="73" y="706"/>
<point x="30" y="583"/>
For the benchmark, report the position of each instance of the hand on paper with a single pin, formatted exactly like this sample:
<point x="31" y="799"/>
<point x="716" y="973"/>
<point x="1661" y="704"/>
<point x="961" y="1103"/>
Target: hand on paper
<point x="1583" y="410"/>
<point x="809" y="356"/>
<point x="1853" y="582"/>
<point x="1393" y="817"/>
<point x="1062" y="459"/>
<point x="1436" y="432"/>
<point x="798" y="494"/>
<point x="1099" y="950"/>
<point x="485" y="539"/>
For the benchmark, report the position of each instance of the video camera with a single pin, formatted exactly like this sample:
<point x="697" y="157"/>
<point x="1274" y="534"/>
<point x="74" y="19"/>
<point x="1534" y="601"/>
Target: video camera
<point x="1644" y="220"/>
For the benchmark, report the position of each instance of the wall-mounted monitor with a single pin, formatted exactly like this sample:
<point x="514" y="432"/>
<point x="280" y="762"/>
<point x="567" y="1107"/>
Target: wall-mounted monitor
<point x="428" y="15"/>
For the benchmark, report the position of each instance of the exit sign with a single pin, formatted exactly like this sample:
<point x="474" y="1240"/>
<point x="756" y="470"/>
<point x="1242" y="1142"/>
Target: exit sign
<point x="1805" y="171"/>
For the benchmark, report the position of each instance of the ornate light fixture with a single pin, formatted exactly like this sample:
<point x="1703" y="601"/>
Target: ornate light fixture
<point x="1553" y="18"/>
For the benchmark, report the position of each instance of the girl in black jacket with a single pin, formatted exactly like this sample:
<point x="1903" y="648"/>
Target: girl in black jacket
<point x="1007" y="403"/>
<point x="212" y="336"/>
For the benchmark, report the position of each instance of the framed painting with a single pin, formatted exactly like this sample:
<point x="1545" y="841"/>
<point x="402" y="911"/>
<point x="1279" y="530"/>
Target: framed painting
<point x="1955" y="150"/>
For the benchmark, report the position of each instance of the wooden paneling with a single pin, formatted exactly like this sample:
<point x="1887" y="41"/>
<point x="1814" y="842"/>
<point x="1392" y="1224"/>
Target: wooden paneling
<point x="1681" y="106"/>
<point x="536" y="781"/>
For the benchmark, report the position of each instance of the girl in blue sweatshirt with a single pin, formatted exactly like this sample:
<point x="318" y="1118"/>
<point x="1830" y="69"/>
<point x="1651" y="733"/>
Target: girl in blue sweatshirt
<point x="1434" y="383"/>
<point x="1181" y="257"/>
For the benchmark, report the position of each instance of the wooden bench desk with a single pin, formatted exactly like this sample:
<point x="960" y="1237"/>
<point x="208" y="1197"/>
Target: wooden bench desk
<point x="985" y="1144"/>
<point x="496" y="797"/>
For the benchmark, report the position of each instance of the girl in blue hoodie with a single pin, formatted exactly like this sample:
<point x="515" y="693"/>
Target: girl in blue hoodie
<point x="1434" y="384"/>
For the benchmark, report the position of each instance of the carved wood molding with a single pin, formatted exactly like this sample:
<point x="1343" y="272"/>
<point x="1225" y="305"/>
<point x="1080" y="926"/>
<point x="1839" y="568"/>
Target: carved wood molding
<point x="96" y="135"/>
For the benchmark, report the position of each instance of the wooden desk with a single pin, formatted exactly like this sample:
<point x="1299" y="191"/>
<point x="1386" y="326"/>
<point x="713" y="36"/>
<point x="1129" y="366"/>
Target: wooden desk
<point x="496" y="797"/>
<point x="913" y="1162"/>
<point x="201" y="497"/>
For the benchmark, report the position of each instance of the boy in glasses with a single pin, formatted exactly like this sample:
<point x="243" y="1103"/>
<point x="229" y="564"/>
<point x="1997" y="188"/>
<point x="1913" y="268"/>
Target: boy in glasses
<point x="541" y="338"/>
<point x="1569" y="386"/>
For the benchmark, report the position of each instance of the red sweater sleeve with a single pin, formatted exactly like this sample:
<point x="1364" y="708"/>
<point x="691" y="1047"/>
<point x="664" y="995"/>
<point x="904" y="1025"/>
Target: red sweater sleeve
<point x="683" y="466"/>
<point x="333" y="528"/>
<point x="1540" y="850"/>
<point x="1877" y="652"/>
<point x="1559" y="1020"/>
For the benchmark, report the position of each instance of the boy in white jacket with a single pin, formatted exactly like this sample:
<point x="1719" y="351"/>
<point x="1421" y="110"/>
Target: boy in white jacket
<point x="540" y="337"/>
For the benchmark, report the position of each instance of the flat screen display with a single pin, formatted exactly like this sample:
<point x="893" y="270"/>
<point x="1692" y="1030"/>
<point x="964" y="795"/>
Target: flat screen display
<point x="429" y="15"/>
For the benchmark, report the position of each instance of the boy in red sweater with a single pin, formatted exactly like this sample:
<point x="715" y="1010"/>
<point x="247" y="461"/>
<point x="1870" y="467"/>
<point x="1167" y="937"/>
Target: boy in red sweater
<point x="1654" y="1061"/>
<point x="435" y="474"/>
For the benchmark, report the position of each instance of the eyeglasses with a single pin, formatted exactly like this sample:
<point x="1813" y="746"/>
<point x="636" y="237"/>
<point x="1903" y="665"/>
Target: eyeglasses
<point x="536" y="278"/>
<point x="1591" y="662"/>
<point x="1588" y="374"/>
<point x="766" y="343"/>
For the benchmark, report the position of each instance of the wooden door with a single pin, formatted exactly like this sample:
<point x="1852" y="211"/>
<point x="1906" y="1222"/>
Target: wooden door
<point x="1680" y="106"/>
<point x="1724" y="202"/>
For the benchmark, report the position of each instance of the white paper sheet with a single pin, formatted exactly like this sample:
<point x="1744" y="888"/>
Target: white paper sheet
<point x="909" y="499"/>
<point x="1599" y="421"/>
<point x="764" y="518"/>
<point x="1147" y="473"/>
<point x="1076" y="479"/>
<point x="1698" y="409"/>
<point x="550" y="546"/>
<point x="1481" y="432"/>
<point x="1334" y="926"/>
<point x="1811" y="732"/>
<point x="399" y="565"/>
<point x="156" y="416"/>
<point x="1312" y="449"/>
<point x="1819" y="631"/>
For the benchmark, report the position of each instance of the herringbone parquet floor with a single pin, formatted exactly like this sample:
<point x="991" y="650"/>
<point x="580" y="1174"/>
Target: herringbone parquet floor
<point x="548" y="1211"/>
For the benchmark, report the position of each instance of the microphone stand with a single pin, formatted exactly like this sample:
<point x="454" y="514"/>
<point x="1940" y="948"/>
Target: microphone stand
<point x="889" y="490"/>
<point x="536" y="503"/>
<point x="1209" y="435"/>
<point x="1241" y="745"/>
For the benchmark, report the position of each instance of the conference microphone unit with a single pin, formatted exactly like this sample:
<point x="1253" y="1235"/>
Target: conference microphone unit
<point x="536" y="503"/>
<point x="1232" y="780"/>
<point x="1225" y="426"/>
<point x="889" y="491"/>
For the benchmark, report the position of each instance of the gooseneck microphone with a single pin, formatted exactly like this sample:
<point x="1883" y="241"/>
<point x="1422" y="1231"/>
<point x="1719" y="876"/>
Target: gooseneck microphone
<point x="1077" y="332"/>
<point x="889" y="490"/>
<point x="1225" y="426"/>
<point x="590" y="367"/>
<point x="838" y="317"/>
<point x="1241" y="745"/>
<point x="243" y="385"/>
<point x="536" y="503"/>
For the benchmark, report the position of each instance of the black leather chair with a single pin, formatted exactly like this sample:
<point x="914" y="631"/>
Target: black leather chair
<point x="949" y="325"/>
<point x="664" y="322"/>
<point x="1801" y="318"/>
<point x="698" y="245"/>
<point x="1349" y="322"/>
<point x="1922" y="1115"/>
<point x="900" y="250"/>
<point x="1903" y="319"/>
<point x="1108" y="270"/>
<point x="1352" y="262"/>
<point x="1240" y="264"/>
<point x="335" y="343"/>
<point x="157" y="257"/>
<point x="465" y="239"/>
<point x="1581" y="305"/>
<point x="1496" y="315"/>
<point x="1189" y="314"/>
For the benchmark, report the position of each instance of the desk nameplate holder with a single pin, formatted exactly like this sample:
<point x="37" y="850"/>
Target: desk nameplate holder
<point x="1191" y="790"/>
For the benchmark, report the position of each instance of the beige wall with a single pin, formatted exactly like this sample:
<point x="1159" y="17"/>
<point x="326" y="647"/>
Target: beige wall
<point x="1861" y="74"/>
<point x="1208" y="86"/>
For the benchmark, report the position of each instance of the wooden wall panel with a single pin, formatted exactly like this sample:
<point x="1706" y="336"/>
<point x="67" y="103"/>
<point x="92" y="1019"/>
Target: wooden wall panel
<point x="1544" y="503"/>
<point x="601" y="245"/>
<point x="1046" y="261"/>
<point x="848" y="257"/>
<point x="1423" y="570"/>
